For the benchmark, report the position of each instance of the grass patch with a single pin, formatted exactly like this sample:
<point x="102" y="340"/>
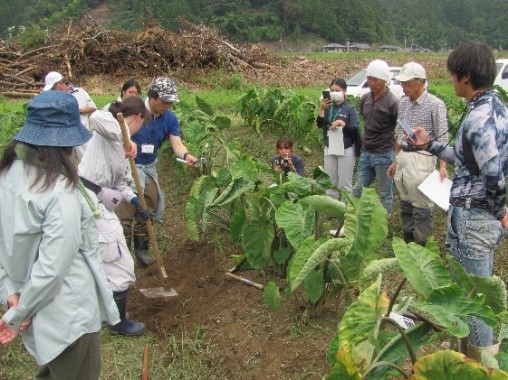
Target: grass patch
<point x="187" y="356"/>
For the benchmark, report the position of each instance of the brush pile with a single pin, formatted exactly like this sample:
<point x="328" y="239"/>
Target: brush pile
<point x="84" y="48"/>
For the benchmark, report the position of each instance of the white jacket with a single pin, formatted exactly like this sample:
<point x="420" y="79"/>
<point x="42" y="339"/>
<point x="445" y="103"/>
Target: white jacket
<point x="49" y="256"/>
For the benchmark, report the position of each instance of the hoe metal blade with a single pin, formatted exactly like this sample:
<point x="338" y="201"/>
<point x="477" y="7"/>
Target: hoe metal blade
<point x="158" y="292"/>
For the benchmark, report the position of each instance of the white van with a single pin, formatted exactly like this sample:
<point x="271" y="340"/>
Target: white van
<point x="357" y="84"/>
<point x="502" y="73"/>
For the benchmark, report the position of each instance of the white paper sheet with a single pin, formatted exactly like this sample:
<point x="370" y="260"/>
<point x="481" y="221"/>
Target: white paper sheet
<point x="437" y="191"/>
<point x="336" y="142"/>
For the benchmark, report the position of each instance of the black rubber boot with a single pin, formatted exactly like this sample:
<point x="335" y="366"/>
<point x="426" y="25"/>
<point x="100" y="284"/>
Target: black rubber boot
<point x="141" y="251"/>
<point x="409" y="237"/>
<point x="125" y="326"/>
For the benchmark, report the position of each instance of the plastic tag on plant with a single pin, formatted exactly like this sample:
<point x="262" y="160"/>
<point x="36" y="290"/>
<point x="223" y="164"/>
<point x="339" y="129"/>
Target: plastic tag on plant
<point x="402" y="321"/>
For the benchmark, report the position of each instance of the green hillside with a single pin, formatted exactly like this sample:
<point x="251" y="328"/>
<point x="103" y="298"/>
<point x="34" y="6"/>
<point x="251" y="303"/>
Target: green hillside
<point x="432" y="24"/>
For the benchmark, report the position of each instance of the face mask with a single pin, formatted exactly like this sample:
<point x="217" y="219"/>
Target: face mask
<point x="336" y="96"/>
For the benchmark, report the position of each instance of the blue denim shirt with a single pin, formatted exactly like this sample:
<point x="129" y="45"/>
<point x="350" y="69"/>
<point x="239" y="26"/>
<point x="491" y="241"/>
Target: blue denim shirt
<point x="486" y="128"/>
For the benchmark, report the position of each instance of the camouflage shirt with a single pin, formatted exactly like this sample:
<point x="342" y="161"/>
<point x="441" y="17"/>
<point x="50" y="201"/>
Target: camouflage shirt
<point x="485" y="126"/>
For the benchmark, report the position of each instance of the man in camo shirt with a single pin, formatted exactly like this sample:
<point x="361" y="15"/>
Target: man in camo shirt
<point x="477" y="218"/>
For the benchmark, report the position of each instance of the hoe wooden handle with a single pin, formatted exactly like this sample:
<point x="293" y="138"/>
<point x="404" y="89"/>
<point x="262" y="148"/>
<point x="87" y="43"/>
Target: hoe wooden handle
<point x="142" y="202"/>
<point x="144" y="376"/>
<point x="245" y="280"/>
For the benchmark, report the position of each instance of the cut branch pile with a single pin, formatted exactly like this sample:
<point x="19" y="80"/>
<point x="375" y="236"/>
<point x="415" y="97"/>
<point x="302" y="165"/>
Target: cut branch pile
<point x="84" y="48"/>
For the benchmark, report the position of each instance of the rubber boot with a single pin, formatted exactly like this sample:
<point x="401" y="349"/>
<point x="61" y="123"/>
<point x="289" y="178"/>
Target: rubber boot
<point x="125" y="326"/>
<point x="141" y="251"/>
<point x="409" y="237"/>
<point x="475" y="353"/>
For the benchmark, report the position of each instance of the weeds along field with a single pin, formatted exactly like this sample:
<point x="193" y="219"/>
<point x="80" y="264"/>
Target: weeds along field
<point x="223" y="215"/>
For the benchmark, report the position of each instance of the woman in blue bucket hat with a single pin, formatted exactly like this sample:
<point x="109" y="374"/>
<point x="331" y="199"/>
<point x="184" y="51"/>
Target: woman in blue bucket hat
<point x="52" y="281"/>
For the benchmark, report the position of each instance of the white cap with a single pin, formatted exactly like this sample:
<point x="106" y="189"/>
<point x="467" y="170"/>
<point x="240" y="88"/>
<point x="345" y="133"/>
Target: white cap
<point x="51" y="79"/>
<point x="379" y="69"/>
<point x="411" y="70"/>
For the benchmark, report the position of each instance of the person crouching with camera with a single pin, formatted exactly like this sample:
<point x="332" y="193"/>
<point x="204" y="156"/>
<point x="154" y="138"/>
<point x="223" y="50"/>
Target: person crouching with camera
<point x="286" y="161"/>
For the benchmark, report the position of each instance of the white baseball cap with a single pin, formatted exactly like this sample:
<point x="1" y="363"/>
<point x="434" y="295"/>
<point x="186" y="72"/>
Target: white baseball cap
<point x="379" y="69"/>
<point x="51" y="79"/>
<point x="411" y="70"/>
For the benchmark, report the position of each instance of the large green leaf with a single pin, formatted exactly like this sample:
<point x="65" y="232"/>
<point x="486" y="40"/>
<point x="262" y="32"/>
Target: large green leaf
<point x="257" y="242"/>
<point x="502" y="361"/>
<point x="307" y="247"/>
<point x="297" y="184"/>
<point x="396" y="350"/>
<point x="365" y="222"/>
<point x="297" y="222"/>
<point x="362" y="318"/>
<point x="190" y="219"/>
<point x="318" y="256"/>
<point x="333" y="349"/>
<point x="321" y="179"/>
<point x="204" y="106"/>
<point x="494" y="290"/>
<point x="271" y="295"/>
<point x="237" y="224"/>
<point x="423" y="269"/>
<point x="344" y="368"/>
<point x="280" y="256"/>
<point x="451" y="365"/>
<point x="503" y="331"/>
<point x="450" y="308"/>
<point x="245" y="167"/>
<point x="493" y="287"/>
<point x="325" y="205"/>
<point x="376" y="267"/>
<point x="222" y="122"/>
<point x="314" y="285"/>
<point x="234" y="190"/>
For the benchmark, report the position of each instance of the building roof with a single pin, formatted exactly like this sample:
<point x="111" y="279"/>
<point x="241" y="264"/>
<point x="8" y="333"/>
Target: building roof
<point x="360" y="45"/>
<point x="334" y="45"/>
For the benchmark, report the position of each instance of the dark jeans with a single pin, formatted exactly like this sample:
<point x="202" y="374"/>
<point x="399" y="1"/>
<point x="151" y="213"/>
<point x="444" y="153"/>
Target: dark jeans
<point x="373" y="166"/>
<point x="473" y="235"/>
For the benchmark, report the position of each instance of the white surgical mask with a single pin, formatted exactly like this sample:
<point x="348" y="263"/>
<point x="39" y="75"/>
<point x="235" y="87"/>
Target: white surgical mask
<point x="336" y="96"/>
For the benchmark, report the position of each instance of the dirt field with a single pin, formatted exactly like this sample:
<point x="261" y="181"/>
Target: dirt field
<point x="251" y="341"/>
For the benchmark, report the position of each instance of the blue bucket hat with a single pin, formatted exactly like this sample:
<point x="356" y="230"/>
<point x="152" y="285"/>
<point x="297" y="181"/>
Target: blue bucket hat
<point x="53" y="120"/>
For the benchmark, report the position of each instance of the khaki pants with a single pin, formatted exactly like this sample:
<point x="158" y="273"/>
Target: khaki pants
<point x="80" y="361"/>
<point x="415" y="214"/>
<point x="412" y="169"/>
<point x="126" y="212"/>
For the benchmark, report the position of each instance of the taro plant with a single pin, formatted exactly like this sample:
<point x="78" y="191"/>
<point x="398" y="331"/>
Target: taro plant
<point x="254" y="204"/>
<point x="326" y="267"/>
<point x="203" y="132"/>
<point x="371" y="343"/>
<point x="278" y="112"/>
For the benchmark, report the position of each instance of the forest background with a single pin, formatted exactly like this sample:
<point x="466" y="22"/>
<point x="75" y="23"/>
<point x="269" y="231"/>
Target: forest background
<point x="430" y="24"/>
